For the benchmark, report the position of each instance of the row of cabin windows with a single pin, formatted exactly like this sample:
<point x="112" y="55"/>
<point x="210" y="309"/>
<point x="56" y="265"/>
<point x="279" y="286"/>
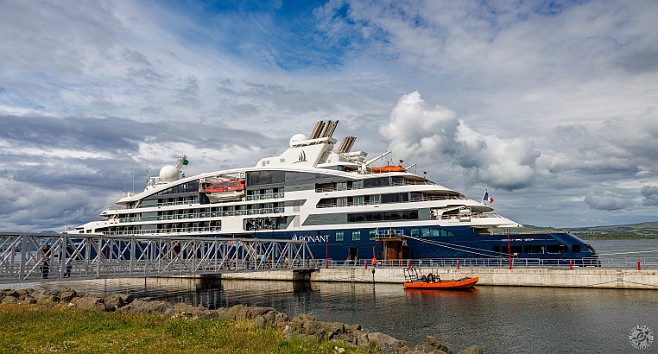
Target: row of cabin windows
<point x="388" y="198"/>
<point x="383" y="216"/>
<point x="366" y="183"/>
<point x="354" y="235"/>
<point x="372" y="234"/>
<point x="230" y="210"/>
<point x="364" y="200"/>
<point x="537" y="249"/>
<point x="427" y="232"/>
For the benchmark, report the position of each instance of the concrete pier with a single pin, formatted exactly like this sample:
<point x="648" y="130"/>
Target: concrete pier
<point x="548" y="277"/>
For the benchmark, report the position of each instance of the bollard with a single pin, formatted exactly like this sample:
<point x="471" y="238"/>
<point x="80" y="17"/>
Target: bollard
<point x="638" y="265"/>
<point x="365" y="264"/>
<point x="458" y="264"/>
<point x="570" y="265"/>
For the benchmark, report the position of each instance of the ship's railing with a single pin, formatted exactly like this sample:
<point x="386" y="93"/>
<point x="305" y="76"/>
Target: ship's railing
<point x="190" y="201"/>
<point x="326" y="189"/>
<point x="200" y="215"/>
<point x="486" y="216"/>
<point x="347" y="203"/>
<point x="173" y="231"/>
<point x="468" y="217"/>
<point x="437" y="198"/>
<point x="277" y="195"/>
<point x="616" y="262"/>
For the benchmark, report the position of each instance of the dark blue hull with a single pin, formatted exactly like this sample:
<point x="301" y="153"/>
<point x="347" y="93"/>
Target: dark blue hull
<point x="436" y="242"/>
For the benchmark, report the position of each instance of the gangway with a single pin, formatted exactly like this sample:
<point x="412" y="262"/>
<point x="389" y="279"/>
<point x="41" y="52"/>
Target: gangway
<point x="31" y="257"/>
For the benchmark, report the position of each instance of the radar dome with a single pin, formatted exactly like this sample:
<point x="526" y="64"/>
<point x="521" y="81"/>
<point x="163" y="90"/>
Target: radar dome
<point x="297" y="138"/>
<point x="168" y="173"/>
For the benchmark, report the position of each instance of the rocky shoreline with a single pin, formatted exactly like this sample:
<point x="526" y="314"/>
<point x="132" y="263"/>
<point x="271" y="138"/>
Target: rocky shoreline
<point x="302" y="326"/>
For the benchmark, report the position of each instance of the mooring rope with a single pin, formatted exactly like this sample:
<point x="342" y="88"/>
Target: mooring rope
<point x="456" y="247"/>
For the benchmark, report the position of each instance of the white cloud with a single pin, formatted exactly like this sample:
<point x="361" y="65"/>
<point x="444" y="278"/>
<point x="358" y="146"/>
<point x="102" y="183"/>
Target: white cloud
<point x="649" y="195"/>
<point x="429" y="134"/>
<point x="606" y="200"/>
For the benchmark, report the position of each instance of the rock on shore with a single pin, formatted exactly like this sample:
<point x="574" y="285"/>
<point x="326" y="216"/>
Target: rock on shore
<point x="302" y="326"/>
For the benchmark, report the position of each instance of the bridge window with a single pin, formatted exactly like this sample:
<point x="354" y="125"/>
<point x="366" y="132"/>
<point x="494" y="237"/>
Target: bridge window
<point x="534" y="249"/>
<point x="356" y="235"/>
<point x="513" y="249"/>
<point x="340" y="236"/>
<point x="557" y="249"/>
<point x="415" y="232"/>
<point x="372" y="234"/>
<point x="427" y="232"/>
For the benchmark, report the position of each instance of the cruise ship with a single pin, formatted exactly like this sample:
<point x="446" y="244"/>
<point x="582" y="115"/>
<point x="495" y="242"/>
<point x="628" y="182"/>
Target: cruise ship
<point x="336" y="199"/>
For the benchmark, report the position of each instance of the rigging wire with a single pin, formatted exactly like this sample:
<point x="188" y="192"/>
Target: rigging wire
<point x="456" y="247"/>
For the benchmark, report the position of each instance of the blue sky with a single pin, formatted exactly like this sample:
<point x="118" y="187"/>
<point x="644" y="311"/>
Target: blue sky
<point x="550" y="106"/>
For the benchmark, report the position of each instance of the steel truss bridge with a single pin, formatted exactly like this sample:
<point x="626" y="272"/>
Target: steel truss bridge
<point x="31" y="257"/>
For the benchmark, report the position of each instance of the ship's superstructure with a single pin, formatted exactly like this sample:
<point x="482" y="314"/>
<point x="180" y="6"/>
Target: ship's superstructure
<point x="332" y="197"/>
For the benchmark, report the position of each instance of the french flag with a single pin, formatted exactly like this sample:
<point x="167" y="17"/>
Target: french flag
<point x="487" y="197"/>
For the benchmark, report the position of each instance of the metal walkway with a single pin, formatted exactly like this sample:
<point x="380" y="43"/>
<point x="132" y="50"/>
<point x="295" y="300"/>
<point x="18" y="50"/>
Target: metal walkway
<point x="31" y="257"/>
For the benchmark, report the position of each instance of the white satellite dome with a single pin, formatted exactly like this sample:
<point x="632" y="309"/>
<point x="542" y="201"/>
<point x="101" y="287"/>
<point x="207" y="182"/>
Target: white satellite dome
<point x="297" y="138"/>
<point x="168" y="173"/>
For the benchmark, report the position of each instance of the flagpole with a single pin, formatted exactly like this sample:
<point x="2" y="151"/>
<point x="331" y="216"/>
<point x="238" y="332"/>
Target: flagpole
<point x="509" y="250"/>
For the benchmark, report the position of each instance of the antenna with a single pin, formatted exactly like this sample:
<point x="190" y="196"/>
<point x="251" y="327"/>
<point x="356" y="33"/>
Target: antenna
<point x="132" y="169"/>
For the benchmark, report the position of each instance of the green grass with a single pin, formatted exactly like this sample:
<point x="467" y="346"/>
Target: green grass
<point x="58" y="329"/>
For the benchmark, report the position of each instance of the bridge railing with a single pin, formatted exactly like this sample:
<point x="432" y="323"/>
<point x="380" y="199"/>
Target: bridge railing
<point x="43" y="256"/>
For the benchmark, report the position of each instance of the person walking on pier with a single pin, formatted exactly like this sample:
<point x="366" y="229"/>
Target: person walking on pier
<point x="45" y="262"/>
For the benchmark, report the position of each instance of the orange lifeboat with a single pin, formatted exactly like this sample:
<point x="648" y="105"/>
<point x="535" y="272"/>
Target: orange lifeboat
<point x="225" y="190"/>
<point x="389" y="168"/>
<point x="226" y="186"/>
<point x="465" y="283"/>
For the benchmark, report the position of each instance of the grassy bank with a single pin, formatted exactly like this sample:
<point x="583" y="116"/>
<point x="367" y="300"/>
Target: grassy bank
<point x="38" y="328"/>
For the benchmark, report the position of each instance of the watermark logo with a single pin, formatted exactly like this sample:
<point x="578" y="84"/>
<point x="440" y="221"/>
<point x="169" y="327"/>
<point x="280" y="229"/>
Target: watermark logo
<point x="641" y="337"/>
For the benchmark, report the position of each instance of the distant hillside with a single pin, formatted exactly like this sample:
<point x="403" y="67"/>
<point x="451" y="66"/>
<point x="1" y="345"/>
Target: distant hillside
<point x="612" y="232"/>
<point x="635" y="231"/>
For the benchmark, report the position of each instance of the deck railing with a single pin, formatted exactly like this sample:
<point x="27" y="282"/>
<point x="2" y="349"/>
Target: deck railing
<point x="606" y="262"/>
